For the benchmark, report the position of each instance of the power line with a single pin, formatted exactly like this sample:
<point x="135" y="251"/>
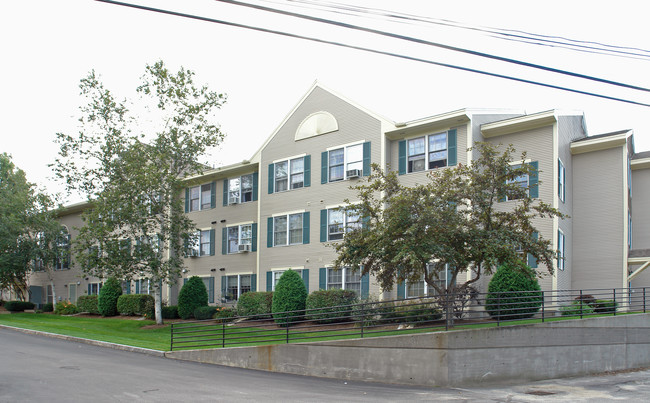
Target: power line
<point x="375" y="51"/>
<point x="434" y="44"/>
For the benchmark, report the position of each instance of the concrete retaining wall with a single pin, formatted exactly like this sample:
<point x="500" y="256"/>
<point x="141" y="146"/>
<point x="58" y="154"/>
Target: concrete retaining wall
<point x="465" y="357"/>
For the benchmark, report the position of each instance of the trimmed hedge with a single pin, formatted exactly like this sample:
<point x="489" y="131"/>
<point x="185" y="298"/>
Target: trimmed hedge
<point x="225" y="314"/>
<point x="108" y="296"/>
<point x="49" y="307"/>
<point x="135" y="304"/>
<point x="18" y="306"/>
<point x="412" y="312"/>
<point x="605" y="306"/>
<point x="576" y="308"/>
<point x="330" y="306"/>
<point x="192" y="295"/>
<point x="65" y="308"/>
<point x="290" y="295"/>
<point x="257" y="304"/>
<point x="88" y="303"/>
<point x="170" y="312"/>
<point x="513" y="293"/>
<point x="204" y="312"/>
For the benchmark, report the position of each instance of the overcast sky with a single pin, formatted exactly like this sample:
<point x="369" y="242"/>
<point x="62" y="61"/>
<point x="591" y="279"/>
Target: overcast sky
<point x="47" y="46"/>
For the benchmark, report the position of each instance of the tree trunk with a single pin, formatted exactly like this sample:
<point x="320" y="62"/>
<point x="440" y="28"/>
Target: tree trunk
<point x="157" y="297"/>
<point x="53" y="293"/>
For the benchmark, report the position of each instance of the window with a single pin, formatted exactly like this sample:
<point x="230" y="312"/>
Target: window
<point x="525" y="181"/>
<point x="239" y="235"/>
<point x="142" y="286"/>
<point x="561" y="258"/>
<point x="236" y="286"/>
<point x="202" y="244"/>
<point x="200" y="197"/>
<point x="427" y="152"/>
<point x="289" y="174"/>
<point x="339" y="222"/>
<point x="287" y="230"/>
<point x="421" y="288"/>
<point x="343" y="160"/>
<point x="94" y="288"/>
<point x="346" y="279"/>
<point x="278" y="273"/>
<point x="240" y="190"/>
<point x="561" y="180"/>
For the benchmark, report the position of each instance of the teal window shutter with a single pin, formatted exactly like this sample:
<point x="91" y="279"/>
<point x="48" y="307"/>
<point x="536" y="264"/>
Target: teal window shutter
<point x="225" y="192"/>
<point x="533" y="188"/>
<point x="223" y="287"/>
<point x="269" y="280"/>
<point x="184" y="281"/>
<point x="532" y="262"/>
<point x="323" y="225"/>
<point x="323" y="166"/>
<point x="305" y="278"/>
<point x="401" y="157"/>
<point x="366" y="158"/>
<point x="224" y="241"/>
<point x="187" y="200"/>
<point x="212" y="242"/>
<point x="307" y="172"/>
<point x="452" y="149"/>
<point x="253" y="282"/>
<point x="213" y="194"/>
<point x="256" y="181"/>
<point x="322" y="278"/>
<point x="137" y="286"/>
<point x="305" y="227"/>
<point x="254" y="235"/>
<point x="365" y="285"/>
<point x="271" y="178"/>
<point x="211" y="290"/>
<point x="88" y="288"/>
<point x="128" y="287"/>
<point x="401" y="290"/>
<point x="269" y="232"/>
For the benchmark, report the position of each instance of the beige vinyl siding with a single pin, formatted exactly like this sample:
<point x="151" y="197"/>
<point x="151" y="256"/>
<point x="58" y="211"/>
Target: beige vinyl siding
<point x="354" y="126"/>
<point x="597" y="219"/>
<point x="641" y="209"/>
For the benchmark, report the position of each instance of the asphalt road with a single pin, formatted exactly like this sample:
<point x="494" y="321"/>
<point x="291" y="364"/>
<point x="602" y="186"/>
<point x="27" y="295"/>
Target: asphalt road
<point x="36" y="368"/>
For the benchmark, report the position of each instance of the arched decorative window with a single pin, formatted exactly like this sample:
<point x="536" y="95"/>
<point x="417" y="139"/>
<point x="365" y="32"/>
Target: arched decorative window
<point x="316" y="124"/>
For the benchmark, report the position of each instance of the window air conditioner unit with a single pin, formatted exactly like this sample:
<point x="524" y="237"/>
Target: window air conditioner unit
<point x="353" y="173"/>
<point x="194" y="253"/>
<point x="244" y="248"/>
<point x="234" y="201"/>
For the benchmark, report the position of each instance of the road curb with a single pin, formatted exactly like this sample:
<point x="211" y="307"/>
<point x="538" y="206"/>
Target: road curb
<point x="105" y="344"/>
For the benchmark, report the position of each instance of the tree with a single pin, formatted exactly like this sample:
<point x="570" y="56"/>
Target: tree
<point x="108" y="296"/>
<point x="131" y="168"/>
<point x="30" y="236"/>
<point x="192" y="295"/>
<point x="450" y="223"/>
<point x="289" y="298"/>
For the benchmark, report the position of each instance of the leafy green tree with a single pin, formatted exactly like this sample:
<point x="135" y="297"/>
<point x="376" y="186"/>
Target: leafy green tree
<point x="290" y="295"/>
<point x="450" y="222"/>
<point x="108" y="296"/>
<point x="192" y="295"/>
<point x="132" y="168"/>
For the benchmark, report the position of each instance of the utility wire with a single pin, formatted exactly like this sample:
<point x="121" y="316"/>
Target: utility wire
<point x="434" y="44"/>
<point x="290" y="35"/>
<point x="516" y="35"/>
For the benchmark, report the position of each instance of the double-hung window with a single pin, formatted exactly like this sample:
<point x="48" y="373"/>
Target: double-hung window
<point x="287" y="229"/>
<point x="525" y="181"/>
<point x="292" y="173"/>
<point x="63" y="250"/>
<point x="242" y="189"/>
<point x="345" y="278"/>
<point x="203" y="243"/>
<point x="427" y="152"/>
<point x="234" y="286"/>
<point x="345" y="162"/>
<point x="421" y="288"/>
<point x="200" y="197"/>
<point x="561" y="250"/>
<point x="239" y="235"/>
<point x="94" y="288"/>
<point x="336" y="222"/>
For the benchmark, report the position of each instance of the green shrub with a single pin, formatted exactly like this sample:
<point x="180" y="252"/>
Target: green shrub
<point x="576" y="308"/>
<point x="18" y="306"/>
<point x="330" y="306"/>
<point x="604" y="306"/>
<point x="49" y="307"/>
<point x="88" y="303"/>
<point x="108" y="296"/>
<point x="290" y="295"/>
<point x="192" y="295"/>
<point x="170" y="312"/>
<point x="513" y="293"/>
<point x="225" y="314"/>
<point x="149" y="308"/>
<point x="413" y="312"/>
<point x="255" y="304"/>
<point x="371" y="312"/>
<point x="134" y="304"/>
<point x="65" y="308"/>
<point x="204" y="312"/>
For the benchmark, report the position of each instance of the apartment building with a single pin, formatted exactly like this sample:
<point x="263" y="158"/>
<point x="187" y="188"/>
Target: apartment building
<point x="277" y="210"/>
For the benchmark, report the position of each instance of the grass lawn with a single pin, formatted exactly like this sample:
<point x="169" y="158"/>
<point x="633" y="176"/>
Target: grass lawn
<point x="114" y="330"/>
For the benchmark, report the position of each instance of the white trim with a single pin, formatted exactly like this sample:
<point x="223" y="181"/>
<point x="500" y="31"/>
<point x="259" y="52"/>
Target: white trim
<point x="518" y="124"/>
<point x="356" y="143"/>
<point x="288" y="268"/>
<point x="600" y="143"/>
<point x="289" y="158"/>
<point x="289" y="213"/>
<point x="239" y="223"/>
